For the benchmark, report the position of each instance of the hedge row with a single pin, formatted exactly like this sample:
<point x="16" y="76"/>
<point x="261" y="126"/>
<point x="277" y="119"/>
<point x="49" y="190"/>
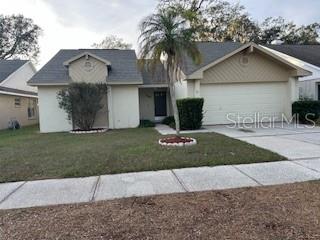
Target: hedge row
<point x="306" y="111"/>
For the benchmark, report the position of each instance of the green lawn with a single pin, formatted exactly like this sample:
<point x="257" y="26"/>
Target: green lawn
<point x="26" y="154"/>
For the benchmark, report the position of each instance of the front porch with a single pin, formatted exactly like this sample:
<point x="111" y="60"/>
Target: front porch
<point x="154" y="102"/>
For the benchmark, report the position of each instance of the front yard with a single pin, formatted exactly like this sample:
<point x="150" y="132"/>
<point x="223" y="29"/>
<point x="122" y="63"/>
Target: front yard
<point x="28" y="155"/>
<point x="275" y="213"/>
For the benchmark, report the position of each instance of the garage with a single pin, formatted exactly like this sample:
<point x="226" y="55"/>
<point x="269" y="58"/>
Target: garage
<point x="243" y="84"/>
<point x="256" y="102"/>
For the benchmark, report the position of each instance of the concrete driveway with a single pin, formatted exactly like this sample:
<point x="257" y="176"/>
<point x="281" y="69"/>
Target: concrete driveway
<point x="289" y="140"/>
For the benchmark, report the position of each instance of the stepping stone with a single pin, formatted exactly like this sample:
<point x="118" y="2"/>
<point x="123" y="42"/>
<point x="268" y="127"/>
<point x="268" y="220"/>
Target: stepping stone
<point x="51" y="192"/>
<point x="137" y="184"/>
<point x="8" y="188"/>
<point x="213" y="178"/>
<point x="274" y="173"/>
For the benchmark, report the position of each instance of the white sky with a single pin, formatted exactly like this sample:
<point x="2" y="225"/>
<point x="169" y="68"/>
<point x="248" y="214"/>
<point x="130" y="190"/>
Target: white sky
<point x="80" y="23"/>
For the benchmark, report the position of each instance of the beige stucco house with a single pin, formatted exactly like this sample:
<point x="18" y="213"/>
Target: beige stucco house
<point x="18" y="101"/>
<point x="234" y="80"/>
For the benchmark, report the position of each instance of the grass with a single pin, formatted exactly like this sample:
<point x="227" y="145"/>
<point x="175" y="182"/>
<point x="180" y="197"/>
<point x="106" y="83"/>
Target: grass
<point x="28" y="155"/>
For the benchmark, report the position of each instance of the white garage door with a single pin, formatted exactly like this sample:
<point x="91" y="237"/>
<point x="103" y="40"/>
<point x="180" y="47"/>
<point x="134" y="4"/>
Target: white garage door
<point x="257" y="102"/>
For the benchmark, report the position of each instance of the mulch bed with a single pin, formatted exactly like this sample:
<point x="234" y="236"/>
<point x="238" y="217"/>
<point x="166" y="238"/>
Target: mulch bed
<point x="176" y="140"/>
<point x="275" y="213"/>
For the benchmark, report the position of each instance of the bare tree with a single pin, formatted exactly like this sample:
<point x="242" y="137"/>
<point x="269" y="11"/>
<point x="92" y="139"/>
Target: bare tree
<point x="18" y="37"/>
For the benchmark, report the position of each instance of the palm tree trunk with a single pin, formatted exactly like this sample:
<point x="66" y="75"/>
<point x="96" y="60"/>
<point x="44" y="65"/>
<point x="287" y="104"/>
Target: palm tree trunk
<point x="170" y="73"/>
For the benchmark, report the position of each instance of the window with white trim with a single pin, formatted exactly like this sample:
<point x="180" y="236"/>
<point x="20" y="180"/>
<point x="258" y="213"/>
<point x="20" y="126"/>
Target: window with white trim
<point x="32" y="108"/>
<point x="17" y="102"/>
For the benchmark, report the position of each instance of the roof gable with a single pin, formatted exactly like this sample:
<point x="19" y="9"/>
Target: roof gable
<point x="7" y="67"/>
<point x="124" y="67"/>
<point x="86" y="55"/>
<point x="250" y="47"/>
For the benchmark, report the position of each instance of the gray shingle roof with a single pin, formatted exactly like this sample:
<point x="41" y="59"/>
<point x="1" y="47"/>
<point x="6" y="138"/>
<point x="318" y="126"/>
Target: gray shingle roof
<point x="306" y="53"/>
<point x="210" y="51"/>
<point x="11" y="90"/>
<point x="7" y="67"/>
<point x="154" y="76"/>
<point x="123" y="66"/>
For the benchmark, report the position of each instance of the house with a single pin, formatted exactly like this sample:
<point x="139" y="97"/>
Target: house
<point x="307" y="57"/>
<point x="233" y="79"/>
<point x="18" y="101"/>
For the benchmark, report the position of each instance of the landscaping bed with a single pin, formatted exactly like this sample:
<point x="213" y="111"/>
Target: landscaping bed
<point x="177" y="141"/>
<point x="26" y="154"/>
<point x="273" y="213"/>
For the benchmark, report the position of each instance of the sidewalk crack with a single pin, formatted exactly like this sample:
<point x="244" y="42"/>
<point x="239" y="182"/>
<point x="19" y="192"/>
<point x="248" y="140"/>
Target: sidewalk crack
<point x="253" y="179"/>
<point x="95" y="189"/>
<point x="180" y="181"/>
<point x="312" y="169"/>
<point x="12" y="192"/>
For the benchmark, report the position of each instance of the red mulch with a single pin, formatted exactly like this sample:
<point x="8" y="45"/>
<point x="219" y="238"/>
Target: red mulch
<point x="176" y="140"/>
<point x="288" y="212"/>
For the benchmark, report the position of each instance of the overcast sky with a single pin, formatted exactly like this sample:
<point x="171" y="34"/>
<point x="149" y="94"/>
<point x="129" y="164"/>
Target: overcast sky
<point x="79" y="23"/>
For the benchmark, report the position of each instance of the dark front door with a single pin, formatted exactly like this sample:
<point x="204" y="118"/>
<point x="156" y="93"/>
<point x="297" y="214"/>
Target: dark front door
<point x="160" y="104"/>
<point x="319" y="92"/>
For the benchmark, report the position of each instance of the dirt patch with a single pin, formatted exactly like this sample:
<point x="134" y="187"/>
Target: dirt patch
<point x="275" y="213"/>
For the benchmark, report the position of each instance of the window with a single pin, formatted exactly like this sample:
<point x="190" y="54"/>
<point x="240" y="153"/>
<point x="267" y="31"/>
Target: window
<point x="32" y="106"/>
<point x="17" y="102"/>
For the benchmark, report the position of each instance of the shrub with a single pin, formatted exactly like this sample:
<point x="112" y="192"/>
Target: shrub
<point x="82" y="101"/>
<point x="168" y="120"/>
<point x="306" y="111"/>
<point x="190" y="113"/>
<point x="146" y="124"/>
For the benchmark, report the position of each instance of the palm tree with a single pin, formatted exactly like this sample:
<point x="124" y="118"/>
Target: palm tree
<point x="168" y="35"/>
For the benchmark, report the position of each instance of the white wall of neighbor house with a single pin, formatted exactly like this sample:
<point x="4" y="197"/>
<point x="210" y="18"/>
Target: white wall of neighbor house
<point x="123" y="104"/>
<point x="52" y="117"/>
<point x="18" y="79"/>
<point x="308" y="86"/>
<point x="309" y="89"/>
<point x="11" y="110"/>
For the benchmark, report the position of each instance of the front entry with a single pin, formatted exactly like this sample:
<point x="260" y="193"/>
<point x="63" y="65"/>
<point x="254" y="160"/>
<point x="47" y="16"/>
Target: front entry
<point x="160" y="104"/>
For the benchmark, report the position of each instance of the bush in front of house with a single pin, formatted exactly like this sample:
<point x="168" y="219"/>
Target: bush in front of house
<point x="146" y="124"/>
<point x="306" y="111"/>
<point x="82" y="101"/>
<point x="190" y="113"/>
<point x="168" y="120"/>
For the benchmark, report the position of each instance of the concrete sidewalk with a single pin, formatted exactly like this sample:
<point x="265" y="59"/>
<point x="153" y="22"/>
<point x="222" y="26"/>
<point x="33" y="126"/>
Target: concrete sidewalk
<point x="82" y="190"/>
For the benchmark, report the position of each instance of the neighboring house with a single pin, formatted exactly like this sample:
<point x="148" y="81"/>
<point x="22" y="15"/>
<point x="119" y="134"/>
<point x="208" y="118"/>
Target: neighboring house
<point x="233" y="78"/>
<point x="307" y="57"/>
<point x="18" y="101"/>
